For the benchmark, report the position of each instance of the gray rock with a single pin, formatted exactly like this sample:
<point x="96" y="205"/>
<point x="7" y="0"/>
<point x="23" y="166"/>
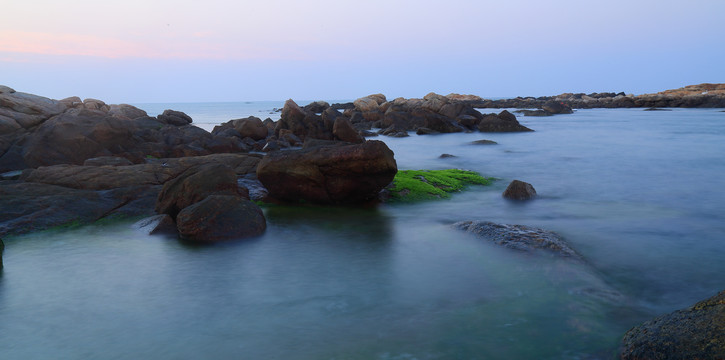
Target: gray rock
<point x="697" y="332"/>
<point x="520" y="237"/>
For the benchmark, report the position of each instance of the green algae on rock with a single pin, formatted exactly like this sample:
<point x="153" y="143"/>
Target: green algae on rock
<point x="420" y="185"/>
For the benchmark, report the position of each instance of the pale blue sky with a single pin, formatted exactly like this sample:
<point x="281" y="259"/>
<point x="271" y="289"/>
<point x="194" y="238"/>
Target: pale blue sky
<point x="183" y="51"/>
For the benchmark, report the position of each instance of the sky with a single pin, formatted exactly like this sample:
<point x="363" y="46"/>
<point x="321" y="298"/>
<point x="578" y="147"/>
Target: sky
<point x="143" y="51"/>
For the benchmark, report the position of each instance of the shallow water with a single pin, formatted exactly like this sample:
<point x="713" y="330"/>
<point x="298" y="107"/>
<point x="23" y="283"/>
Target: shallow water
<point x="638" y="194"/>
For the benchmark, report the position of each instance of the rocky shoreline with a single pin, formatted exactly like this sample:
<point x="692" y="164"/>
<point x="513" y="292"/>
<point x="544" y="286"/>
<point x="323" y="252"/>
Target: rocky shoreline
<point x="692" y="96"/>
<point x="72" y="162"/>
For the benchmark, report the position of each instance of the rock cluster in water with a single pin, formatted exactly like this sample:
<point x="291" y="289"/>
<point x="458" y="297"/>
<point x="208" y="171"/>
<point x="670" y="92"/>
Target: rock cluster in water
<point x="692" y="96"/>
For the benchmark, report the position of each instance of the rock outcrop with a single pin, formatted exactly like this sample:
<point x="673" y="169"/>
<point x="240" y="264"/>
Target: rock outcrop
<point x="328" y="174"/>
<point x="691" y="96"/>
<point x="37" y="131"/>
<point x="72" y="194"/>
<point x="519" y="190"/>
<point x="520" y="237"/>
<point x="503" y="122"/>
<point x="697" y="332"/>
<point x="195" y="184"/>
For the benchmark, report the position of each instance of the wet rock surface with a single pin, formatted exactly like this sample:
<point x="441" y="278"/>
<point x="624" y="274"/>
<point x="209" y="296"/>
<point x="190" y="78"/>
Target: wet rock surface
<point x="697" y="332"/>
<point x="520" y="237"/>
<point x="325" y="174"/>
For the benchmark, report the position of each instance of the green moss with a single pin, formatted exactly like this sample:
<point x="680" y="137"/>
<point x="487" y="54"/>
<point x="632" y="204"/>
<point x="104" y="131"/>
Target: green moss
<point x="417" y="185"/>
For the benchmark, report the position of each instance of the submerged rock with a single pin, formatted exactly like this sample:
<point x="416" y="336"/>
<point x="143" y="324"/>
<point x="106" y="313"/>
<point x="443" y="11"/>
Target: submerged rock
<point x="519" y="190"/>
<point x="520" y="237"/>
<point x="697" y="332"/>
<point x="219" y="218"/>
<point x="329" y="174"/>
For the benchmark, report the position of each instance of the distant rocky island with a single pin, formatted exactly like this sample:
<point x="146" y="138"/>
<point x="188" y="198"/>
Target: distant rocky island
<point x="692" y="96"/>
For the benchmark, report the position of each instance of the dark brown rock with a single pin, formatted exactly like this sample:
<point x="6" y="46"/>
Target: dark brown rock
<point x="251" y="127"/>
<point x="220" y="218"/>
<point x="556" y="107"/>
<point x="519" y="190"/>
<point x="329" y="174"/>
<point x="194" y="185"/>
<point x="503" y="122"/>
<point x="175" y="118"/>
<point x="697" y="332"/>
<point x="344" y="131"/>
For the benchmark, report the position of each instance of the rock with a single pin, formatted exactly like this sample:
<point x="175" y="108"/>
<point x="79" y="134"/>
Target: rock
<point x="175" y="118"/>
<point x="302" y="123"/>
<point x="329" y="174"/>
<point x="483" y="142"/>
<point x="219" y="218"/>
<point x="425" y="131"/>
<point x="697" y="332"/>
<point x="107" y="161"/>
<point x="2" y="250"/>
<point x="503" y="122"/>
<point x="251" y="127"/>
<point x="534" y="112"/>
<point x="556" y="107"/>
<point x="127" y="111"/>
<point x="519" y="190"/>
<point x="656" y="109"/>
<point x="317" y="107"/>
<point x="445" y="156"/>
<point x="157" y="224"/>
<point x="34" y="206"/>
<point x="520" y="237"/>
<point x="194" y="185"/>
<point x="344" y="131"/>
<point x="155" y="173"/>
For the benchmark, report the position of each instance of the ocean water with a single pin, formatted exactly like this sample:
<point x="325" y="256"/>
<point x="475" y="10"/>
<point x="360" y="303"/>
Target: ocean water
<point x="639" y="194"/>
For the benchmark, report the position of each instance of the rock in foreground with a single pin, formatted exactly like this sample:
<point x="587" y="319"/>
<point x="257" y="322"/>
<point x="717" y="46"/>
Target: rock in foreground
<point x="519" y="237"/>
<point x="219" y="218"/>
<point x="329" y="174"/>
<point x="694" y="333"/>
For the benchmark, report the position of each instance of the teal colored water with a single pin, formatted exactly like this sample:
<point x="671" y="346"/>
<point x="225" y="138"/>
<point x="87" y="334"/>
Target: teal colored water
<point x="638" y="194"/>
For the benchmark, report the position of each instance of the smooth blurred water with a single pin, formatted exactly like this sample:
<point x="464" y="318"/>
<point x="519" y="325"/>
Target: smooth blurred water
<point x="638" y="194"/>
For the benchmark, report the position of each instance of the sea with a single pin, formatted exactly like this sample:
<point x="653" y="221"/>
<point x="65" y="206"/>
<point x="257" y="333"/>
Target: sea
<point x="639" y="194"/>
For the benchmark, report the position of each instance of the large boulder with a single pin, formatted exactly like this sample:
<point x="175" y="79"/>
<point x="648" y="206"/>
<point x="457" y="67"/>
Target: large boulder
<point x="175" y="118"/>
<point x="251" y="127"/>
<point x="697" y="332"/>
<point x="329" y="174"/>
<point x="503" y="122"/>
<point x="194" y="185"/>
<point x="219" y="218"/>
